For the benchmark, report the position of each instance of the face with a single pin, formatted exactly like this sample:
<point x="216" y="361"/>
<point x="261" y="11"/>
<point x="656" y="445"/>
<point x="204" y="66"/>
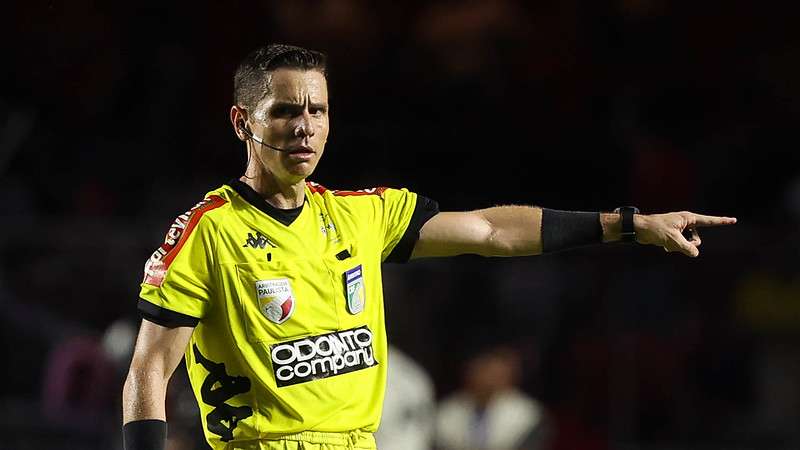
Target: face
<point x="492" y="372"/>
<point x="294" y="117"/>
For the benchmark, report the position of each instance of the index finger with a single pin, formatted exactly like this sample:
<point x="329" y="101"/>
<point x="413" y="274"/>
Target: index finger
<point x="711" y="221"/>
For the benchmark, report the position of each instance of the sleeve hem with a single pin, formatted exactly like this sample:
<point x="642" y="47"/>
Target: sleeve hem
<point x="165" y="317"/>
<point x="424" y="209"/>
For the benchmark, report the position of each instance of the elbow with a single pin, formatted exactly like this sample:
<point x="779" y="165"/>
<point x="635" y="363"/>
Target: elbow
<point x="498" y="244"/>
<point x="501" y="243"/>
<point x="500" y="236"/>
<point x="493" y="242"/>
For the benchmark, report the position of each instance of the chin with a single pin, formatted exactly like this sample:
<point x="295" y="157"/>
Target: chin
<point x="300" y="174"/>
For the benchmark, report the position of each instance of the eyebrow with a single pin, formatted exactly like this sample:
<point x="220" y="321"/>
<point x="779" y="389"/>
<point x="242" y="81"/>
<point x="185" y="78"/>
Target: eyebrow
<point x="297" y="105"/>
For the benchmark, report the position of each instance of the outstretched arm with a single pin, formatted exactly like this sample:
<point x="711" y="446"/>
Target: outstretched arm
<point x="517" y="231"/>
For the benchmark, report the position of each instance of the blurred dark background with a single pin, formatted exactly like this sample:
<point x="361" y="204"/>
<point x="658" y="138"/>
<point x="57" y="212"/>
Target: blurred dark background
<point x="114" y="120"/>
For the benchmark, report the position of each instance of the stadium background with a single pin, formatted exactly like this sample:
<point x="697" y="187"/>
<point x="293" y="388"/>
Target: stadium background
<point x="114" y="120"/>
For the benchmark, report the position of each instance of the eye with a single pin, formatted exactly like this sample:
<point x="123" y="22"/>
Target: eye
<point x="282" y="111"/>
<point x="317" y="111"/>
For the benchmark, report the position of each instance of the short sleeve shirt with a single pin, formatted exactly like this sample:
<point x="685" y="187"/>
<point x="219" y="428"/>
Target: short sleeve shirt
<point x="287" y="305"/>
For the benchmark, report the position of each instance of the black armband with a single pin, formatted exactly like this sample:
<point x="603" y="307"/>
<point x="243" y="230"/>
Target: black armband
<point x="150" y="434"/>
<point x="569" y="229"/>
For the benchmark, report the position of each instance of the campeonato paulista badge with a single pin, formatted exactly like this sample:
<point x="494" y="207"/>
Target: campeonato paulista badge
<point x="275" y="299"/>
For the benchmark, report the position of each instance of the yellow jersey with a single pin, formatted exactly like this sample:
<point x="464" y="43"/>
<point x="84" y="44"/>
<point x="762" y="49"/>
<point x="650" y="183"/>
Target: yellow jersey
<point x="287" y="306"/>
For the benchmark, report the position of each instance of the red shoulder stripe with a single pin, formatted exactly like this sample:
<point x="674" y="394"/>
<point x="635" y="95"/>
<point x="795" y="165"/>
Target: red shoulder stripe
<point x="156" y="267"/>
<point x="316" y="188"/>
<point x="370" y="191"/>
<point x="320" y="189"/>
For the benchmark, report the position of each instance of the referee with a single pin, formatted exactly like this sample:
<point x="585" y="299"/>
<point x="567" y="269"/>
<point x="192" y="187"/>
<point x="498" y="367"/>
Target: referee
<point x="270" y="286"/>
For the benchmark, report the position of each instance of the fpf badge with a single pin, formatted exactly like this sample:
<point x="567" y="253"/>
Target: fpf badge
<point x="354" y="290"/>
<point x="275" y="299"/>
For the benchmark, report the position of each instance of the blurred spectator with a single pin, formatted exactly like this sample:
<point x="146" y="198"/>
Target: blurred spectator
<point x="408" y="407"/>
<point x="79" y="387"/>
<point x="118" y="342"/>
<point x="489" y="412"/>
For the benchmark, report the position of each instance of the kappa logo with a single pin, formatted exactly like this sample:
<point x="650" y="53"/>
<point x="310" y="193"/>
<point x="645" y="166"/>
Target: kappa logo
<point x="258" y="241"/>
<point x="219" y="387"/>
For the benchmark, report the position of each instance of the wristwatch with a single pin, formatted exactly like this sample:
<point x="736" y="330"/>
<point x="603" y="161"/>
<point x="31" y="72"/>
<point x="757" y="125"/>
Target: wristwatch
<point x="628" y="232"/>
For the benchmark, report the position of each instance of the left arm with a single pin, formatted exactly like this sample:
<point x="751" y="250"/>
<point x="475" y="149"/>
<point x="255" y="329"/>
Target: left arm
<point x="517" y="231"/>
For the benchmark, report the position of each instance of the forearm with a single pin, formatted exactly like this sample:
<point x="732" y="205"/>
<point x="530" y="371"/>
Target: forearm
<point x="523" y="230"/>
<point x="158" y="351"/>
<point x="518" y="230"/>
<point x="144" y="394"/>
<point x="507" y="231"/>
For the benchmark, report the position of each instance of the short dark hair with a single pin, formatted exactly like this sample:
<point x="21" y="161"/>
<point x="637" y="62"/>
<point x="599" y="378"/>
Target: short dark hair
<point x="251" y="82"/>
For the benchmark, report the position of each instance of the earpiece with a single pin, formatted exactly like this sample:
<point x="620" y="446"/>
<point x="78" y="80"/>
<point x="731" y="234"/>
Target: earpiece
<point x="250" y="136"/>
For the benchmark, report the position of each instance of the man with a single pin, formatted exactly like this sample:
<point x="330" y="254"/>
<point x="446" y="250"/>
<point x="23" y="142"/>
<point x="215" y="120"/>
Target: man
<point x="489" y="410"/>
<point x="271" y="286"/>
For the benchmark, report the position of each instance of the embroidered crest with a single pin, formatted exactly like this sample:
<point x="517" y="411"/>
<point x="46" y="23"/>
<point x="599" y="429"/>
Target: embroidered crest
<point x="275" y="299"/>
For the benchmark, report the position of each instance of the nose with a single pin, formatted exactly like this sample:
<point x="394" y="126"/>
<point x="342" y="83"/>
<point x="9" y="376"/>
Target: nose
<point x="304" y="127"/>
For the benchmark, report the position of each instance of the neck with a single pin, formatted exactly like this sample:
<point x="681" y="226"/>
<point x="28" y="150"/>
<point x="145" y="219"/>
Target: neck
<point x="277" y="194"/>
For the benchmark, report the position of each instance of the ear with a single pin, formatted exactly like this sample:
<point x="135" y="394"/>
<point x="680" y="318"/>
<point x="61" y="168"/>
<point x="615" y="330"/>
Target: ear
<point x="238" y="118"/>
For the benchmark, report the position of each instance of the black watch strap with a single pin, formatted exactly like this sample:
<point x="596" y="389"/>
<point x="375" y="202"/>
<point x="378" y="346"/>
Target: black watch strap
<point x="628" y="232"/>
